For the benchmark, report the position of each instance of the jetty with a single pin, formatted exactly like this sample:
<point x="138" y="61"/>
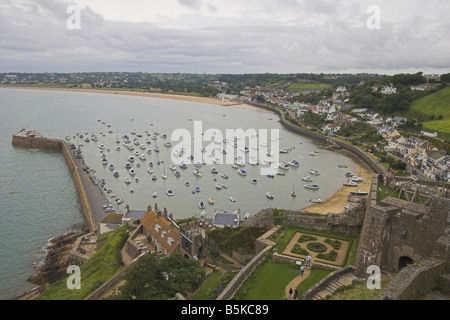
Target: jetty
<point x="90" y="195"/>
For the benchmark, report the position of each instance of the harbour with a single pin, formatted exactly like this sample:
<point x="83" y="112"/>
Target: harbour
<point x="249" y="197"/>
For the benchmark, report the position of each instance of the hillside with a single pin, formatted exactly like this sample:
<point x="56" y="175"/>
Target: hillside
<point x="434" y="110"/>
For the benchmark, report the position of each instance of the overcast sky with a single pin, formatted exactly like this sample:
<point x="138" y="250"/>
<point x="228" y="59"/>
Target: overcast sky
<point x="225" y="36"/>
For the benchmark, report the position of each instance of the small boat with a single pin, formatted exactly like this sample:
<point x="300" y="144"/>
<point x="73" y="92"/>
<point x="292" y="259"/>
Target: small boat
<point x="281" y="173"/>
<point x="270" y="176"/>
<point x="116" y="173"/>
<point x="211" y="201"/>
<point x="111" y="167"/>
<point x="136" y="179"/>
<point x="284" y="166"/>
<point x="197" y="189"/>
<point x="223" y="175"/>
<point x="284" y="151"/>
<point x="224" y="186"/>
<point x="131" y="190"/>
<point x="132" y="172"/>
<point x="131" y="158"/>
<point x="155" y="194"/>
<point x="127" y="180"/>
<point x="214" y="170"/>
<point x="164" y="176"/>
<point x="183" y="166"/>
<point x="316" y="200"/>
<point x="312" y="186"/>
<point x="154" y="178"/>
<point x="177" y="173"/>
<point x="201" y="204"/>
<point x="149" y="151"/>
<point x="357" y="179"/>
<point x="102" y="146"/>
<point x="313" y="153"/>
<point x="293" y="194"/>
<point x="254" y="181"/>
<point x="118" y="148"/>
<point x="156" y="149"/>
<point x="242" y="172"/>
<point x="269" y="195"/>
<point x="307" y="178"/>
<point x="359" y="193"/>
<point x="351" y="183"/>
<point x="234" y="166"/>
<point x="343" y="166"/>
<point x="167" y="144"/>
<point x="170" y="192"/>
<point x="294" y="163"/>
<point x="198" y="173"/>
<point x="232" y="199"/>
<point x="127" y="165"/>
<point x="186" y="183"/>
<point x="172" y="167"/>
<point x="218" y="186"/>
<point x="142" y="156"/>
<point x="119" y="201"/>
<point x="315" y="172"/>
<point x="203" y="215"/>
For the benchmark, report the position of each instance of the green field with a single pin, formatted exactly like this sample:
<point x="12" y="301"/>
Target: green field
<point x="433" y="105"/>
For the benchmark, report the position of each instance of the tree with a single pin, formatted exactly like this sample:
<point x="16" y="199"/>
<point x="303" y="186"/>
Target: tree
<point x="155" y="277"/>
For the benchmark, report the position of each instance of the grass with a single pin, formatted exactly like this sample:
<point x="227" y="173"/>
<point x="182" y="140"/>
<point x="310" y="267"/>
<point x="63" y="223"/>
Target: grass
<point x="208" y="287"/>
<point x="104" y="264"/>
<point x="315" y="276"/>
<point x="268" y="282"/>
<point x="296" y="86"/>
<point x="435" y="105"/>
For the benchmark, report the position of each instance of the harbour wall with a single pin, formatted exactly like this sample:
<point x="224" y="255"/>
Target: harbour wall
<point x="370" y="161"/>
<point x="34" y="140"/>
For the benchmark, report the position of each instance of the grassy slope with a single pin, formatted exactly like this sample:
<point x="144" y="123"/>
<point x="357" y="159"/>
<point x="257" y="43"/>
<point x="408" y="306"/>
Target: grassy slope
<point x="435" y="104"/>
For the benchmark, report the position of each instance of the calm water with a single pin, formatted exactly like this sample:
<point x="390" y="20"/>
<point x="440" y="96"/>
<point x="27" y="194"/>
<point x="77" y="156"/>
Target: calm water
<point x="38" y="197"/>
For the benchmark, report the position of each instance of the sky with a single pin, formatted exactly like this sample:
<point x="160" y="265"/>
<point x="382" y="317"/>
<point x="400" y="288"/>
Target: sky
<point x="225" y="36"/>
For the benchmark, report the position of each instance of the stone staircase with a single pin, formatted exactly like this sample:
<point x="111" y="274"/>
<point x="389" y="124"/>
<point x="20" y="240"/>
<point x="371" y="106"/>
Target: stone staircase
<point x="344" y="280"/>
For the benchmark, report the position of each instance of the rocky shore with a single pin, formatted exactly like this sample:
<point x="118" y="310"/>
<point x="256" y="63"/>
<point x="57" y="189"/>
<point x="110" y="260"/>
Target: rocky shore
<point x="54" y="266"/>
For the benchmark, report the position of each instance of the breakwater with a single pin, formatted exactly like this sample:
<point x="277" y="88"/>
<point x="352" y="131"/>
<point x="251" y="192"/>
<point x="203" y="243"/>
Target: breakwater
<point x="34" y="140"/>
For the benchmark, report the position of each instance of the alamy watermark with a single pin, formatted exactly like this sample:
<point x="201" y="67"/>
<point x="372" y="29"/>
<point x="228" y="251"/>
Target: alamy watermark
<point x="374" y="279"/>
<point x="74" y="280"/>
<point x="374" y="20"/>
<point x="73" y="22"/>
<point x="231" y="148"/>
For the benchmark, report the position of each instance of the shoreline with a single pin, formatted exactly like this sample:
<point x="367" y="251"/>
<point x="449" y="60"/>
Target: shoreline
<point x="235" y="104"/>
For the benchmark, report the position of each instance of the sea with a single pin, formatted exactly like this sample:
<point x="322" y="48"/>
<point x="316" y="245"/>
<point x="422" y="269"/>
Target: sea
<point x="39" y="200"/>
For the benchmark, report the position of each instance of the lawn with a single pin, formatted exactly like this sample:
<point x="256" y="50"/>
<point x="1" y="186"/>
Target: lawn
<point x="209" y="285"/>
<point x="268" y="282"/>
<point x="434" y="105"/>
<point x="315" y="276"/>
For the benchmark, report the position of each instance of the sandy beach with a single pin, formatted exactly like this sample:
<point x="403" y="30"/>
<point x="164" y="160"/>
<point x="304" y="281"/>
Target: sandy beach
<point x="235" y="104"/>
<point x="336" y="204"/>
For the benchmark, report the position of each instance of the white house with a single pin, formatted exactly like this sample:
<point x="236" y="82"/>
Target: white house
<point x="388" y="90"/>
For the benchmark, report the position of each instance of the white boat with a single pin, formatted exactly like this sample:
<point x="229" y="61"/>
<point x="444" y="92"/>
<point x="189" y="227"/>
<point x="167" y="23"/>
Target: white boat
<point x="116" y="173"/>
<point x="150" y="170"/>
<point x="357" y="179"/>
<point x="315" y="172"/>
<point x="307" y="178"/>
<point x="203" y="215"/>
<point x="143" y="146"/>
<point x="149" y="151"/>
<point x="127" y="180"/>
<point x="214" y="170"/>
<point x="351" y="183"/>
<point x="254" y="181"/>
<point x="269" y="195"/>
<point x="224" y="176"/>
<point x="118" y="148"/>
<point x="119" y="201"/>
<point x="142" y="156"/>
<point x="343" y="166"/>
<point x="232" y="199"/>
<point x="154" y="178"/>
<point x="284" y="166"/>
<point x="234" y="166"/>
<point x="177" y="173"/>
<point x="128" y="165"/>
<point x="170" y="192"/>
<point x="164" y="176"/>
<point x="201" y="204"/>
<point x="313" y="153"/>
<point x="155" y="194"/>
<point x="312" y="186"/>
<point x="294" y="163"/>
<point x="359" y="193"/>
<point x="218" y="186"/>
<point x="132" y="172"/>
<point x="102" y="146"/>
<point x="198" y="173"/>
<point x="242" y="172"/>
<point x="186" y="183"/>
<point x="131" y="158"/>
<point x="167" y="144"/>
<point x="111" y="167"/>
<point x="183" y="166"/>
<point x="172" y="167"/>
<point x="316" y="200"/>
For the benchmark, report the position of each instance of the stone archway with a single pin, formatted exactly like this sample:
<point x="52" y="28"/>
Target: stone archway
<point x="404" y="261"/>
